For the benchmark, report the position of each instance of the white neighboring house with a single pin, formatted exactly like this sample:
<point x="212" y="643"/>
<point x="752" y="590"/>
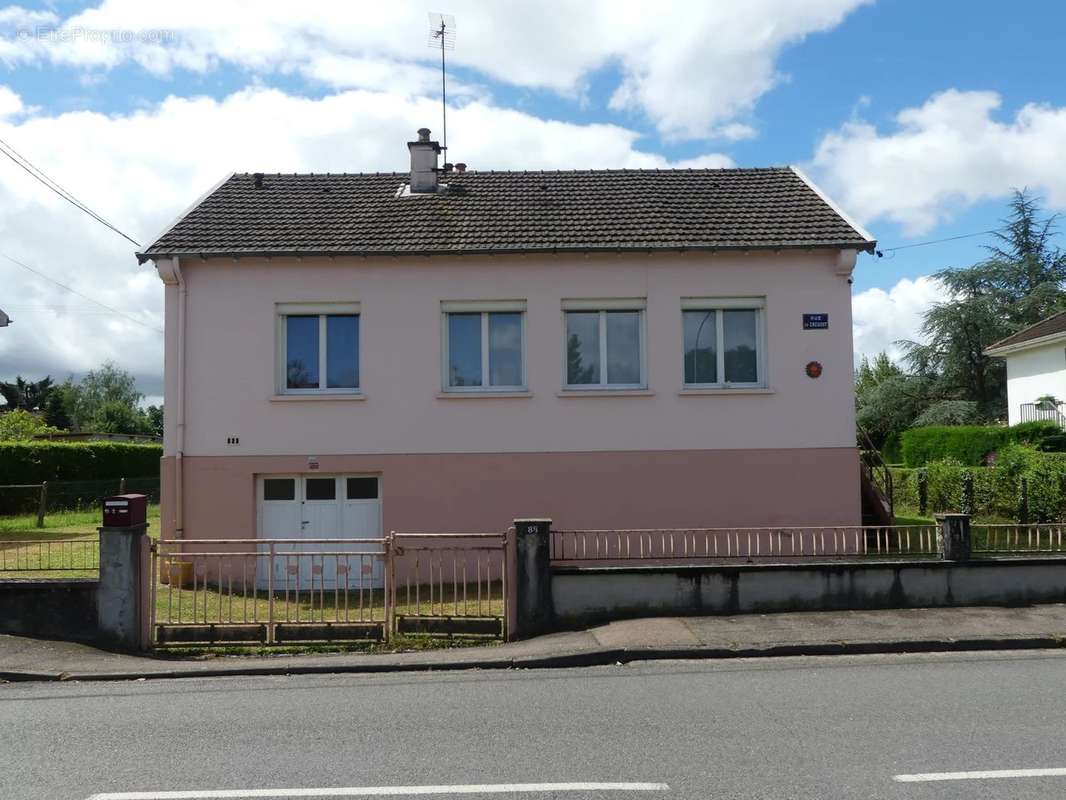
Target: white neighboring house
<point x="1036" y="368"/>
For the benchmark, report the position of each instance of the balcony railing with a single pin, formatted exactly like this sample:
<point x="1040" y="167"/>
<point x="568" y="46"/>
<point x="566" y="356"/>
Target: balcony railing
<point x="1042" y="412"/>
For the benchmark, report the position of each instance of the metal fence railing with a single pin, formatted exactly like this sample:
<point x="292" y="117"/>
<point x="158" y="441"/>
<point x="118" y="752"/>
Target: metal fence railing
<point x="285" y="590"/>
<point x="50" y="555"/>
<point x="728" y="544"/>
<point x="1010" y="539"/>
<point x="1042" y="412"/>
<point x="450" y="581"/>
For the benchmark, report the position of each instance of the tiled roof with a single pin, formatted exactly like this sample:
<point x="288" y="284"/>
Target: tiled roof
<point x="1056" y="323"/>
<point x="499" y="212"/>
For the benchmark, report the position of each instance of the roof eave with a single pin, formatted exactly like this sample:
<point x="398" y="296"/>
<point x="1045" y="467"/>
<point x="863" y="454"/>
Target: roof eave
<point x="1028" y="344"/>
<point x="866" y="246"/>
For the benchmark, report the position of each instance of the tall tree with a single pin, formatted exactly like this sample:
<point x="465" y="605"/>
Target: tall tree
<point x="26" y="395"/>
<point x="1020" y="283"/>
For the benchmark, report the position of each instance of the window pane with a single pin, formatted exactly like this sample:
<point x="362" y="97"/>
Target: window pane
<point x="701" y="347"/>
<point x="623" y="347"/>
<point x="342" y="352"/>
<point x="740" y="349"/>
<point x="279" y="489"/>
<point x="362" y="488"/>
<point x="505" y="349"/>
<point x="301" y="352"/>
<point x="464" y="350"/>
<point x="321" y="489"/>
<point x="582" y="347"/>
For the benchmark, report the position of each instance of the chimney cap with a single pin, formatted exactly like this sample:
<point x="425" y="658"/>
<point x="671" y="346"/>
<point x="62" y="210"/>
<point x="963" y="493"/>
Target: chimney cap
<point x="460" y="167"/>
<point x="423" y="134"/>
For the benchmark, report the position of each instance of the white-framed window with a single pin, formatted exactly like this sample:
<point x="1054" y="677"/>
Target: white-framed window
<point x="604" y="344"/>
<point x="724" y="342"/>
<point x="484" y="346"/>
<point x="318" y="348"/>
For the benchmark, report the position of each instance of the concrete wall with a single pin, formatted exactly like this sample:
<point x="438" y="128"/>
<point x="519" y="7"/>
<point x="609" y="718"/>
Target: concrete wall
<point x="584" y="596"/>
<point x="59" y="609"/>
<point x="1034" y="373"/>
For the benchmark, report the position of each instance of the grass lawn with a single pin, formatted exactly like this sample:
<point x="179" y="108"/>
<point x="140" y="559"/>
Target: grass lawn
<point x="64" y="548"/>
<point x="204" y="606"/>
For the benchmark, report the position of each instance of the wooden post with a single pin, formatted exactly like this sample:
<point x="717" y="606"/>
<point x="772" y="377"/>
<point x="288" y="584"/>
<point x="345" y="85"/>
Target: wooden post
<point x="923" y="491"/>
<point x="42" y="505"/>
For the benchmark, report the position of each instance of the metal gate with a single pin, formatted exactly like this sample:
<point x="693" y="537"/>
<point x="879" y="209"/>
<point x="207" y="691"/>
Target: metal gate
<point x="448" y="583"/>
<point x="281" y="591"/>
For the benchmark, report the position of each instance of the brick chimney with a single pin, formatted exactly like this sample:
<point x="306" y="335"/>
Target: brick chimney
<point x="423" y="163"/>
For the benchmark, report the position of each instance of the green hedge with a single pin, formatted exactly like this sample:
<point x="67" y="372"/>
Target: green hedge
<point x="996" y="489"/>
<point x="970" y="444"/>
<point x="36" y="461"/>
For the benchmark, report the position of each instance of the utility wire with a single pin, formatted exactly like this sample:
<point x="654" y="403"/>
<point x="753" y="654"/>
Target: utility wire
<point x="38" y="175"/>
<point x="882" y="250"/>
<point x="50" y="279"/>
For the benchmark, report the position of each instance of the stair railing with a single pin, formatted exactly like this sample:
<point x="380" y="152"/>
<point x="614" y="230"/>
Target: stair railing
<point x="875" y="468"/>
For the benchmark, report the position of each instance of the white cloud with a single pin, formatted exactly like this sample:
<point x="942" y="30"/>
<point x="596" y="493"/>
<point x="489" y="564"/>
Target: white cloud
<point x="945" y="155"/>
<point x="19" y="17"/>
<point x="691" y="68"/>
<point x="881" y="318"/>
<point x="146" y="166"/>
<point x="10" y="103"/>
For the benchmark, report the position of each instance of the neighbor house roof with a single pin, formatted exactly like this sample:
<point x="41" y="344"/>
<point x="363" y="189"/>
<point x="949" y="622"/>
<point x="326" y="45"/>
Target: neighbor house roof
<point x="1046" y="331"/>
<point x="511" y="212"/>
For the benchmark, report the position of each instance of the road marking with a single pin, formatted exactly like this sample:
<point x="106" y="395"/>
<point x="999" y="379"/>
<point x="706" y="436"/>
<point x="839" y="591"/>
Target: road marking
<point x="981" y="775"/>
<point x="386" y="791"/>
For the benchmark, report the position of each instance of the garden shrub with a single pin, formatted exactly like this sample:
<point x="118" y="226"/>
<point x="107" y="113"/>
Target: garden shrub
<point x="996" y="489"/>
<point x="972" y="444"/>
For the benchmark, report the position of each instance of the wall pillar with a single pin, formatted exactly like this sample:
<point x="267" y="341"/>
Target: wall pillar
<point x="953" y="536"/>
<point x="122" y="595"/>
<point x="535" y="608"/>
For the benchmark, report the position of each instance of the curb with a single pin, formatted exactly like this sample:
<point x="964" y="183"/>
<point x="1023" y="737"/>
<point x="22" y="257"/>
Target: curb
<point x="584" y="658"/>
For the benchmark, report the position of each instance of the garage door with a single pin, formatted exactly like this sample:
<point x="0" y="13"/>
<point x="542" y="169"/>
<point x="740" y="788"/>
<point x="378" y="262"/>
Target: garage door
<point x="307" y="507"/>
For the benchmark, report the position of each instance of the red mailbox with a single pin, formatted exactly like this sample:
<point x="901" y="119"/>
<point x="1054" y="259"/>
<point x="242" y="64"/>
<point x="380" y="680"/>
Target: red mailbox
<point x="125" y="510"/>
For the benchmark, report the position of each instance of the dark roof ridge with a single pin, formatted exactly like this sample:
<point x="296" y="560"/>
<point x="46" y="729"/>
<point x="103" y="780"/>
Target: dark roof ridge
<point x="586" y="171"/>
<point x="1018" y="336"/>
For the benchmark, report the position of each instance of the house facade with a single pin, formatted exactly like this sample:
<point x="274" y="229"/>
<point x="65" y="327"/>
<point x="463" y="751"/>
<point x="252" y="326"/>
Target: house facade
<point x="348" y="355"/>
<point x="1036" y="370"/>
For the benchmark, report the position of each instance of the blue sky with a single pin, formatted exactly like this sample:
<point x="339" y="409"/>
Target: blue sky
<point x="917" y="117"/>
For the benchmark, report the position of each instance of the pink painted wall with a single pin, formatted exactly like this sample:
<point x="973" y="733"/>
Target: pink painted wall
<point x="231" y="357"/>
<point x="473" y="492"/>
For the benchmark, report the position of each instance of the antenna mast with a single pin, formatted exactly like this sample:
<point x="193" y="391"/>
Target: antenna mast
<point x="442" y="35"/>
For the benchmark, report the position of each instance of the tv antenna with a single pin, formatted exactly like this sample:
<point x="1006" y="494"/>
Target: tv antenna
<point x="442" y="37"/>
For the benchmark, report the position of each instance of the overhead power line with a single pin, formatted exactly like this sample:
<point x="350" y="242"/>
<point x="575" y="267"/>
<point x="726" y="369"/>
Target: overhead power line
<point x="883" y="250"/>
<point x="72" y="290"/>
<point x="38" y="175"/>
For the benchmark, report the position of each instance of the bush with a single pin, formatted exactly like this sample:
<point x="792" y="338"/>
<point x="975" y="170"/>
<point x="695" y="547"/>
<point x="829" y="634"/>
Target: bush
<point x="996" y="489"/>
<point x="967" y="444"/>
<point x="37" y="461"/>
<point x="971" y="444"/>
<point x="19" y="425"/>
<point x="891" y="450"/>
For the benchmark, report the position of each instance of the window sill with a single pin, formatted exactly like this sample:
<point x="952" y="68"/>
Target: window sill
<point x="316" y="398"/>
<point x="480" y="395"/>
<point x="605" y="393"/>
<point x="724" y="391"/>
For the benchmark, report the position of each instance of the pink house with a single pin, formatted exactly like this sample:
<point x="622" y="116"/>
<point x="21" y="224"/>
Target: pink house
<point x="446" y="350"/>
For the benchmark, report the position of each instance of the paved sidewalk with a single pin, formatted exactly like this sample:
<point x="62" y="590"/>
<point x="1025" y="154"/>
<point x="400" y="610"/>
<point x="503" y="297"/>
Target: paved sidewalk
<point x="748" y="635"/>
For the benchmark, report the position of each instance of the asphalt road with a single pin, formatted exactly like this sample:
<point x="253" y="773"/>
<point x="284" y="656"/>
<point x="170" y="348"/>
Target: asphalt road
<point x="775" y="728"/>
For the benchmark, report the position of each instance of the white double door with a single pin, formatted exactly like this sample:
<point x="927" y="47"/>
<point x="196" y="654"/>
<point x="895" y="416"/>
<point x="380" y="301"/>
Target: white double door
<point x="308" y="507"/>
